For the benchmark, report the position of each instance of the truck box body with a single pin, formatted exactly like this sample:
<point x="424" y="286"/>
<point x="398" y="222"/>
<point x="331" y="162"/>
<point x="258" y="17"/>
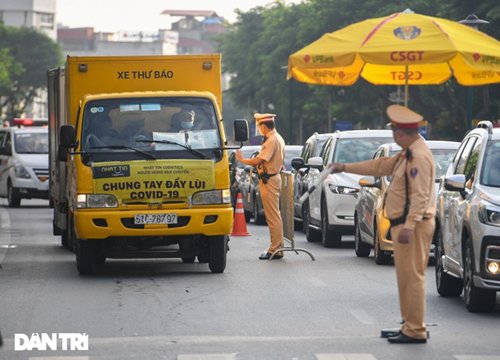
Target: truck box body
<point x="132" y="184"/>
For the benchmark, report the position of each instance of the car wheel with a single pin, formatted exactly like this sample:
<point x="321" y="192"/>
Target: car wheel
<point x="446" y="285"/>
<point x="381" y="257"/>
<point x="258" y="219"/>
<point x="360" y="248"/>
<point x="312" y="235"/>
<point x="218" y="250"/>
<point x="13" y="197"/>
<point x="476" y="299"/>
<point x="329" y="238"/>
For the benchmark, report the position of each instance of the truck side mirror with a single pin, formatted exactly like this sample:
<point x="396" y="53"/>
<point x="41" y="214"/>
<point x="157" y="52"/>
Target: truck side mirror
<point x="66" y="141"/>
<point x="240" y="130"/>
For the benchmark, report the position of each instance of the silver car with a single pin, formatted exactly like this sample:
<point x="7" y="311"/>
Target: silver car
<point x="468" y="222"/>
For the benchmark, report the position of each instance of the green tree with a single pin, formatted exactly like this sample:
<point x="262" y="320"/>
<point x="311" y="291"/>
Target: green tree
<point x="31" y="54"/>
<point x="256" y="48"/>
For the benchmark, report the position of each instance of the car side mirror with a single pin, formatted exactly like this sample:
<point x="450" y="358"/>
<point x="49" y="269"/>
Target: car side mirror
<point x="456" y="183"/>
<point x="316" y="163"/>
<point x="370" y="181"/>
<point x="297" y="163"/>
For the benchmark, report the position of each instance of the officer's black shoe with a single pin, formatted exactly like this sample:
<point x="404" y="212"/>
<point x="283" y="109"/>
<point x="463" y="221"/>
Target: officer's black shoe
<point x="267" y="256"/>
<point x="405" y="339"/>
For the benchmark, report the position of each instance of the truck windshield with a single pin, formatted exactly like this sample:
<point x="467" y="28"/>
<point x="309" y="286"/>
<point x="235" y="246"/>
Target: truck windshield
<point x="150" y="125"/>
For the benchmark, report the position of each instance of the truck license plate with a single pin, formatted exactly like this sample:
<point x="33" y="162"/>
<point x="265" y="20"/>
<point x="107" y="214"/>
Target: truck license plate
<point x="142" y="219"/>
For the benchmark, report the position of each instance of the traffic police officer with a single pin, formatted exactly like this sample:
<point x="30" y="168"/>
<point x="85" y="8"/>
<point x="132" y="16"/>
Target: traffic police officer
<point x="269" y="163"/>
<point x="410" y="205"/>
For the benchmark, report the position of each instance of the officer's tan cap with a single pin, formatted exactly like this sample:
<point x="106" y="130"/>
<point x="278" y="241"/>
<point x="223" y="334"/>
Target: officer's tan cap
<point x="403" y="118"/>
<point x="260" y="118"/>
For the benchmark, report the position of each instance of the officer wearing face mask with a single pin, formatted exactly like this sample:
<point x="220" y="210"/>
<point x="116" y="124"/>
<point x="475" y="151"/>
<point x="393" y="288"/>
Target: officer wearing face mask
<point x="182" y="121"/>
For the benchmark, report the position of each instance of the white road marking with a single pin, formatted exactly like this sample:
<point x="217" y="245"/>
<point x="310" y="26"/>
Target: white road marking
<point x="345" y="357"/>
<point x="206" y="357"/>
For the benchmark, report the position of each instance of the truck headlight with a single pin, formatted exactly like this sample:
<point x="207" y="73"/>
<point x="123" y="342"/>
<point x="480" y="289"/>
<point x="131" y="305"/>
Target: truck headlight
<point x="211" y="197"/>
<point x="21" y="172"/>
<point x="345" y="190"/>
<point x="488" y="215"/>
<point x="84" y="201"/>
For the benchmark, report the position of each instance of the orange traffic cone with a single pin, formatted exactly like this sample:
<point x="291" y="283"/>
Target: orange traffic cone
<point x="240" y="224"/>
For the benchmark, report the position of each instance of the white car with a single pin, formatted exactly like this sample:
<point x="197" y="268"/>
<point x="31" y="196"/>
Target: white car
<point x="329" y="211"/>
<point x="24" y="164"/>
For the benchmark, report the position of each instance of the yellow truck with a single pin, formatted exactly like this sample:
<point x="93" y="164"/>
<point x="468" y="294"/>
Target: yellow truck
<point x="138" y="159"/>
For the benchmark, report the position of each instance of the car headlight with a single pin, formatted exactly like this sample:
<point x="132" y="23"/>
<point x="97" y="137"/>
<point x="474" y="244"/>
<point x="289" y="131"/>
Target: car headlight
<point x="344" y="190"/>
<point x="488" y="215"/>
<point x="84" y="201"/>
<point x="211" y="197"/>
<point x="21" y="172"/>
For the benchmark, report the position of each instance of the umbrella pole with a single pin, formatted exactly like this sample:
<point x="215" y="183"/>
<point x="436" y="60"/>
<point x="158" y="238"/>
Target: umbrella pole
<point x="406" y="85"/>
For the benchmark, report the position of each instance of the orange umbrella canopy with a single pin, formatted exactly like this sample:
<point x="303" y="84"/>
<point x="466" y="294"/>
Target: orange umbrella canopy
<point x="402" y="48"/>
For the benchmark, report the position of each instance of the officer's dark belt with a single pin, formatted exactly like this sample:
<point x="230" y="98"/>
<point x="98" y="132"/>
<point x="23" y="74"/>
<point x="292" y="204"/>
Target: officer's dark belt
<point x="398" y="221"/>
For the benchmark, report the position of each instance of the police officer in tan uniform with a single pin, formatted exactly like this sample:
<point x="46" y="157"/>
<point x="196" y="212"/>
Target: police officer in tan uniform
<point x="269" y="163"/>
<point x="410" y="204"/>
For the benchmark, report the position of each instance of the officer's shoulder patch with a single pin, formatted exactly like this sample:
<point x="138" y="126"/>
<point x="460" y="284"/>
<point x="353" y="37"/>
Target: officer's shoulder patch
<point x="413" y="172"/>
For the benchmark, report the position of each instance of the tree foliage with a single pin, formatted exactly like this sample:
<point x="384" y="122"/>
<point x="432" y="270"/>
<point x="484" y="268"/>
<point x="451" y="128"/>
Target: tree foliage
<point x="25" y="57"/>
<point x="256" y="48"/>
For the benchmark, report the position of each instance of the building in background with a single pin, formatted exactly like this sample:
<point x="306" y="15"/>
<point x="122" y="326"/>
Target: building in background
<point x="38" y="14"/>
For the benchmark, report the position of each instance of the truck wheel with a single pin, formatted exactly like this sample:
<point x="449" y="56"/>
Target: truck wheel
<point x="218" y="250"/>
<point x="360" y="248"/>
<point x="13" y="196"/>
<point x="446" y="285"/>
<point x="476" y="299"/>
<point x="329" y="238"/>
<point x="86" y="259"/>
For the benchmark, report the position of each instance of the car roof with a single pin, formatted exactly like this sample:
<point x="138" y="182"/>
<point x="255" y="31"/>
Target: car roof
<point x="433" y="144"/>
<point x="371" y="133"/>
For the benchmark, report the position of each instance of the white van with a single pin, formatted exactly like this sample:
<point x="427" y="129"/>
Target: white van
<point x="24" y="164"/>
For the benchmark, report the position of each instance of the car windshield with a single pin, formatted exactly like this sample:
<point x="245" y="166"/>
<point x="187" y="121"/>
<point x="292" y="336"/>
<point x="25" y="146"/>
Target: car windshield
<point x="442" y="158"/>
<point x="358" y="149"/>
<point x="31" y="143"/>
<point x="150" y="124"/>
<point x="491" y="167"/>
<point x="289" y="155"/>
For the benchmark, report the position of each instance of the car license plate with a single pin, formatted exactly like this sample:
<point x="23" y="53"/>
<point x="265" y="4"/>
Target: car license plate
<point x="142" y="219"/>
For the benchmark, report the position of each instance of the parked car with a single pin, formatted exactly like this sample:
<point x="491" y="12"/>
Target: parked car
<point x="312" y="147"/>
<point x="249" y="186"/>
<point x="236" y="169"/>
<point x="329" y="211"/>
<point x="467" y="247"/>
<point x="370" y="222"/>
<point x="24" y="164"/>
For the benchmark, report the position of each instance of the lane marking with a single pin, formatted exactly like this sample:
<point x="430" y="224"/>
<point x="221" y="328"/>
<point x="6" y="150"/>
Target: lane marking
<point x="207" y="356"/>
<point x="4" y="235"/>
<point x="345" y="357"/>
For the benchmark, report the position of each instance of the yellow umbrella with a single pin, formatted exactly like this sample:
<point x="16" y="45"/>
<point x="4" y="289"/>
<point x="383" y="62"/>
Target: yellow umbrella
<point x="400" y="49"/>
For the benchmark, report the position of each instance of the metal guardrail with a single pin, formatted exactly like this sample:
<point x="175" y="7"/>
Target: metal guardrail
<point x="286" y="209"/>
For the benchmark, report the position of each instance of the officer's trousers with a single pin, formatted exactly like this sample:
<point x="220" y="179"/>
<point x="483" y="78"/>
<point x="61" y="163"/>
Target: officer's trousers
<point x="411" y="261"/>
<point x="270" y="195"/>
